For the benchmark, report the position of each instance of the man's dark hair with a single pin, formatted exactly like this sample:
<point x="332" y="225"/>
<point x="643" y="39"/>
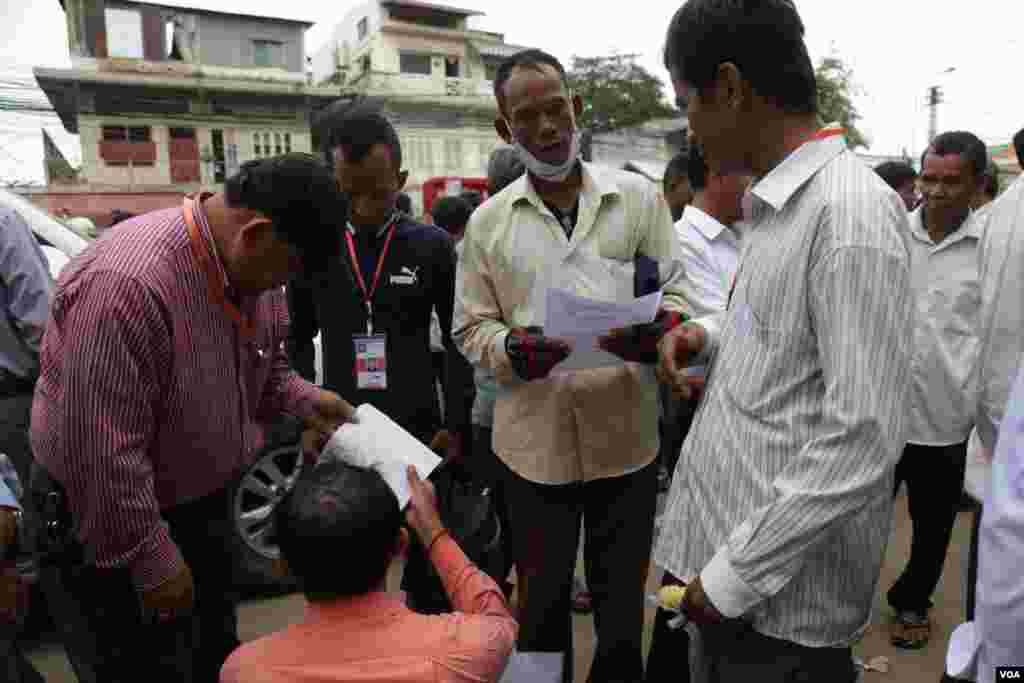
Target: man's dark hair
<point x="357" y="130"/>
<point x="404" y="203"/>
<point x="298" y="193"/>
<point x="452" y="214"/>
<point x="763" y="38"/>
<point x="526" y="58"/>
<point x="350" y="511"/>
<point x="991" y="184"/>
<point x="120" y="216"/>
<point x="504" y="168"/>
<point x="675" y="171"/>
<point x="1018" y="146"/>
<point x="697" y="169"/>
<point x="473" y="198"/>
<point x="896" y="174"/>
<point x="967" y="145"/>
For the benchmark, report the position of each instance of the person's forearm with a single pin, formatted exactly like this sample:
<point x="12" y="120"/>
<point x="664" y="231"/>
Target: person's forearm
<point x="470" y="589"/>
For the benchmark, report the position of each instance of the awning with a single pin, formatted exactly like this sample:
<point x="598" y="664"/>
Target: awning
<point x="496" y="50"/>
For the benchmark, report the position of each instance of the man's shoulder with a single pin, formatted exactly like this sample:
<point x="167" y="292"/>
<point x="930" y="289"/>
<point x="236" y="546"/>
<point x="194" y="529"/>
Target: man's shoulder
<point x="146" y="250"/>
<point x="252" y="662"/>
<point x="416" y="231"/>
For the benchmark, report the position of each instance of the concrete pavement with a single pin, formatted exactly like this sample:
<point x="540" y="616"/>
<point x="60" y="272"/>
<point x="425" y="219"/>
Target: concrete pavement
<point x="922" y="666"/>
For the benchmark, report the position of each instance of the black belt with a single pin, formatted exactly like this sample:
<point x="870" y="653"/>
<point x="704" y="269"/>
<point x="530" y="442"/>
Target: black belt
<point x="13" y="385"/>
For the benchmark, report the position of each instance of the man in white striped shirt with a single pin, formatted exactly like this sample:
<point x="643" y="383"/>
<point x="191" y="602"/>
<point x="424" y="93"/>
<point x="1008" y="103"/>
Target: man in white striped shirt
<point x="780" y="511"/>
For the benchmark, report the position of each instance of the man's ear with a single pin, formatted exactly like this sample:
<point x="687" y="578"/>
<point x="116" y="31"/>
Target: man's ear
<point x="577" y="106"/>
<point x="257" y="230"/>
<point x="730" y="90"/>
<point x="504" y="133"/>
<point x="402" y="544"/>
<point x="403" y="178"/>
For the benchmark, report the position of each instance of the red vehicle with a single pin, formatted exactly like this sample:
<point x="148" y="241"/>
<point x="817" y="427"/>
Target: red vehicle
<point x="450" y="185"/>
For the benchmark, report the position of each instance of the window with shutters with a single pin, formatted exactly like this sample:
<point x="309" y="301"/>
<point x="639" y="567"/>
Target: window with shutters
<point x="270" y="144"/>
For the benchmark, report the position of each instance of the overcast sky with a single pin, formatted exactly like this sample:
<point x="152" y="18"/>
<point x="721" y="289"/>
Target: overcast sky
<point x="896" y="50"/>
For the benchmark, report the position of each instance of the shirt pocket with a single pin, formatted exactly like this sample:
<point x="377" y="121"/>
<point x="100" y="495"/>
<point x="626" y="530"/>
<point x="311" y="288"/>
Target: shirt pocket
<point x="752" y="360"/>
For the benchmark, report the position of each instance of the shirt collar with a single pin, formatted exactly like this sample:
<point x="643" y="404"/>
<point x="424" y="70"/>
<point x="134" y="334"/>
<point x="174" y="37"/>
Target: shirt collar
<point x="972" y="228"/>
<point x="783" y="181"/>
<point x="375" y="604"/>
<point x="396" y="217"/>
<point x="705" y="223"/>
<point x="203" y="223"/>
<point x="595" y="184"/>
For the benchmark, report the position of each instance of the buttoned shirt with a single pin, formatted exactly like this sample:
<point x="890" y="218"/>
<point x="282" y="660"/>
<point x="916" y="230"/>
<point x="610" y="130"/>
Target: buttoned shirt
<point x="710" y="255"/>
<point x="570" y="426"/>
<point x="1001" y="257"/>
<point x="375" y="637"/>
<point x="996" y="636"/>
<point x="150" y="395"/>
<point x="782" y="498"/>
<point x="947" y="295"/>
<point x="26" y="288"/>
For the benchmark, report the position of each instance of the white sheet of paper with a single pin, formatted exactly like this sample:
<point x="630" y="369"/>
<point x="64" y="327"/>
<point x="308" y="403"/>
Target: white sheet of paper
<point x="374" y="441"/>
<point x="580" y="321"/>
<point x="533" y="667"/>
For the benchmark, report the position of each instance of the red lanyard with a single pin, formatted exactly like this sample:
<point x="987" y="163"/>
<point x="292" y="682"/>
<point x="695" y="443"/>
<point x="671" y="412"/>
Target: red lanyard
<point x="368" y="293"/>
<point x="218" y="291"/>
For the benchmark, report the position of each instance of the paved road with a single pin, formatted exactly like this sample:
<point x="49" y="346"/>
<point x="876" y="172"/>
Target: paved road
<point x="921" y="666"/>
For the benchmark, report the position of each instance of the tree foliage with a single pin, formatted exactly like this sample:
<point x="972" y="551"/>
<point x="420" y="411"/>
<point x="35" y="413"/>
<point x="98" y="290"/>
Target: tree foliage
<point x="836" y="89"/>
<point x="617" y="93"/>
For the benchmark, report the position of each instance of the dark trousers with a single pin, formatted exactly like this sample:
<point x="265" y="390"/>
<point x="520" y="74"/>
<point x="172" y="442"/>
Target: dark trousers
<point x="673" y="428"/>
<point x="972" y="562"/>
<point x="618" y="518"/>
<point x="129" y="647"/>
<point x="733" y="651"/>
<point x="15" y="412"/>
<point x="669" y="658"/>
<point x="934" y="477"/>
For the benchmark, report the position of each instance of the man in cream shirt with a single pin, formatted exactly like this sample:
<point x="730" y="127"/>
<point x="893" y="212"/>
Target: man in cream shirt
<point x="578" y="443"/>
<point x="944" y="271"/>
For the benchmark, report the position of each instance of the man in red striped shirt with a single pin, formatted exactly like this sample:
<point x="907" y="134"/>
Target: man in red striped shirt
<point x="163" y="357"/>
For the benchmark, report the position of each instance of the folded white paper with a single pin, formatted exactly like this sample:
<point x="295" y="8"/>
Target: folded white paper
<point x="374" y="441"/>
<point x="581" y="321"/>
<point x="533" y="667"/>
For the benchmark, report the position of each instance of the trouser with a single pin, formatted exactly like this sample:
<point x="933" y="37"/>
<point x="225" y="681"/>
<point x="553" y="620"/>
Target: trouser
<point x="618" y="517"/>
<point x="488" y="469"/>
<point x="15" y="412"/>
<point x="669" y="658"/>
<point x="733" y="651"/>
<point x="125" y="645"/>
<point x="673" y="428"/>
<point x="972" y="562"/>
<point x="934" y="477"/>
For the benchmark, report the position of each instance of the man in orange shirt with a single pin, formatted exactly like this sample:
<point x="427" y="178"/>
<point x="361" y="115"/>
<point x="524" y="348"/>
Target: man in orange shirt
<point x="339" y="530"/>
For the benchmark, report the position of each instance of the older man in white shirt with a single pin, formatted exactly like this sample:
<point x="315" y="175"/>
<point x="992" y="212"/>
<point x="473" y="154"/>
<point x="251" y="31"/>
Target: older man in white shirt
<point x="708" y="235"/>
<point x="944" y="271"/>
<point x="996" y="637"/>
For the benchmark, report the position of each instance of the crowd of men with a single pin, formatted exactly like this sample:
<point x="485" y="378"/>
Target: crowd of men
<point x="827" y="332"/>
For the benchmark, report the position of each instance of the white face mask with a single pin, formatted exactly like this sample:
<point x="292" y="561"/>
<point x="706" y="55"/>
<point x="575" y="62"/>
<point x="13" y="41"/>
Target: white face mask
<point x="555" y="173"/>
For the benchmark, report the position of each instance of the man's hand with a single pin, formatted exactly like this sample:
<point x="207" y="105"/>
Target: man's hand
<point x="330" y="411"/>
<point x="422" y="514"/>
<point x="676" y="352"/>
<point x="173" y="598"/>
<point x="698" y="607"/>
<point x="533" y="355"/>
<point x="639" y="343"/>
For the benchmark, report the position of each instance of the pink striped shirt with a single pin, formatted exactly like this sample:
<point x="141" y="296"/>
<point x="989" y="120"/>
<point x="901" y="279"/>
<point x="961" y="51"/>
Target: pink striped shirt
<point x="149" y="396"/>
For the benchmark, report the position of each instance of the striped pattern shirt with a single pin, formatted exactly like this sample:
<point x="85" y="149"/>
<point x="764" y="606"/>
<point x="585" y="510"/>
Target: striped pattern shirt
<point x="782" y="498"/>
<point x="149" y="397"/>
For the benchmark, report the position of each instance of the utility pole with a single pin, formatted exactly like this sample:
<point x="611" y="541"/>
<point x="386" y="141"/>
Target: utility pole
<point x="934" y="99"/>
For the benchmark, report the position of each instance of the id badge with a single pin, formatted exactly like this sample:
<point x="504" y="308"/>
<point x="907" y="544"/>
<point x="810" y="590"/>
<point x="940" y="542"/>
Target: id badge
<point x="371" y="362"/>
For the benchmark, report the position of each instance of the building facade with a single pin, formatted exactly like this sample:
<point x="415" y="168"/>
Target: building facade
<point x="433" y="75"/>
<point x="169" y="99"/>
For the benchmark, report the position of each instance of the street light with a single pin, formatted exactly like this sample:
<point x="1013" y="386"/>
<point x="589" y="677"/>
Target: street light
<point x="934" y="99"/>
